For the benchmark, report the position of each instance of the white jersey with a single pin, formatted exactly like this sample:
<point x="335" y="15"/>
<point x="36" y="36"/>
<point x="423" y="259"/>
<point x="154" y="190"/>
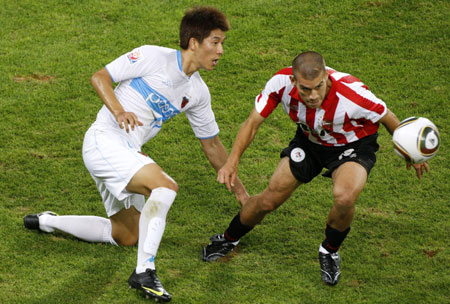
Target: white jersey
<point x="154" y="87"/>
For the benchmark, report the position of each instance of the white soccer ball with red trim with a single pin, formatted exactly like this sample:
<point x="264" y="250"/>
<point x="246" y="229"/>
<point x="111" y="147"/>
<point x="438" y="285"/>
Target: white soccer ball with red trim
<point x="416" y="139"/>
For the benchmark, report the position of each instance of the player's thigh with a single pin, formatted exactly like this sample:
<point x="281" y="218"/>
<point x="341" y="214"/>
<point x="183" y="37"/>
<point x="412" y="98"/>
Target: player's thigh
<point x="281" y="185"/>
<point x="112" y="162"/>
<point x="125" y="226"/>
<point x="149" y="177"/>
<point x="349" y="180"/>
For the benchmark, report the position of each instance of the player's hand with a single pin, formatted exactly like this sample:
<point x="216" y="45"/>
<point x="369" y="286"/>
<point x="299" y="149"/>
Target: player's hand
<point x="227" y="175"/>
<point x="128" y="120"/>
<point x="420" y="168"/>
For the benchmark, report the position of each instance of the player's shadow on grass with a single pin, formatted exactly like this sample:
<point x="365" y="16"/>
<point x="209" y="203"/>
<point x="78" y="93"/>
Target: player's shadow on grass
<point x="74" y="271"/>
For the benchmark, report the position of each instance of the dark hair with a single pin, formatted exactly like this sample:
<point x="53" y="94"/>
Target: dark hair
<point x="308" y="64"/>
<point x="198" y="22"/>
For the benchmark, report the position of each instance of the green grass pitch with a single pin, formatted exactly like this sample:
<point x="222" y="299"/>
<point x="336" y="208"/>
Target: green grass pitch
<point x="398" y="249"/>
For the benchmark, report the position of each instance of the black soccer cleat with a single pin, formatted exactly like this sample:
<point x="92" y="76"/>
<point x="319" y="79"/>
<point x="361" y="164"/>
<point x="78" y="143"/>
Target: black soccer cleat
<point x="31" y="221"/>
<point x="330" y="267"/>
<point x="219" y="247"/>
<point x="149" y="283"/>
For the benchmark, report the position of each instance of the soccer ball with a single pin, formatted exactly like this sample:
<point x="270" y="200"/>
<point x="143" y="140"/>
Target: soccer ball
<point x="416" y="140"/>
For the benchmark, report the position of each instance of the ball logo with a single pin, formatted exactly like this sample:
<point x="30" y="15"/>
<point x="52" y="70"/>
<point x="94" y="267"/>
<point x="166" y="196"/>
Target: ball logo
<point x="297" y="155"/>
<point x="429" y="141"/>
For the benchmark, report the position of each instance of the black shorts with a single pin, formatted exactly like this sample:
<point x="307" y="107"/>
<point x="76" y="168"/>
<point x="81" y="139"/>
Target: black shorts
<point x="307" y="159"/>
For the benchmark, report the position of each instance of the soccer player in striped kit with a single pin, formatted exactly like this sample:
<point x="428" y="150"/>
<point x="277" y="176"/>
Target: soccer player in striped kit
<point x="338" y="119"/>
<point x="155" y="84"/>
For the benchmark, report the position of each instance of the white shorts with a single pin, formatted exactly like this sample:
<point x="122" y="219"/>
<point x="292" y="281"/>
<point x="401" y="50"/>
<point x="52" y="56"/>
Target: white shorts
<point x="112" y="162"/>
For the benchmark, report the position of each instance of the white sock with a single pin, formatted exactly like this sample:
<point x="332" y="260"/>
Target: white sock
<point x="323" y="250"/>
<point x="151" y="226"/>
<point x="88" y="228"/>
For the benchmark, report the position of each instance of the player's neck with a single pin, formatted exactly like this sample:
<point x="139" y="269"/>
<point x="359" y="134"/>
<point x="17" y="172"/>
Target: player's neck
<point x="188" y="63"/>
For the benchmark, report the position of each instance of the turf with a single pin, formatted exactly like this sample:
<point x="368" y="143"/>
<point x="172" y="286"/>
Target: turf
<point x="397" y="251"/>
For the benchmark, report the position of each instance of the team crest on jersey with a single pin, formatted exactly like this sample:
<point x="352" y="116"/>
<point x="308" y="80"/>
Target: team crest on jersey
<point x="134" y="56"/>
<point x="327" y="125"/>
<point x="184" y="102"/>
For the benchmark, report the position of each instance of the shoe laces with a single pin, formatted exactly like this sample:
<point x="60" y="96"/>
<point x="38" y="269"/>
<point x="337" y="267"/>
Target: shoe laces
<point x="154" y="278"/>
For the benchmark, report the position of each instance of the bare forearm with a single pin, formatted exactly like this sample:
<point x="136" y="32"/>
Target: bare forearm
<point x="216" y="153"/>
<point x="390" y="121"/>
<point x="217" y="156"/>
<point x="243" y="140"/>
<point x="245" y="137"/>
<point x="102" y="83"/>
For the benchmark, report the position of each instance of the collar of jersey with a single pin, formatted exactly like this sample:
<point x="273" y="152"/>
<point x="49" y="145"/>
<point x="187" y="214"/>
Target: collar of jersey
<point x="180" y="66"/>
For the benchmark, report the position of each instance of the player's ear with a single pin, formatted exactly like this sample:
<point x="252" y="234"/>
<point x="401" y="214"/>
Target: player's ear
<point x="193" y="43"/>
<point x="292" y="78"/>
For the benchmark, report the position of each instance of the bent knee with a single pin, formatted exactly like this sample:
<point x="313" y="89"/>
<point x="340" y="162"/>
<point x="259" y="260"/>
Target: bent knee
<point x="344" y="201"/>
<point x="125" y="240"/>
<point x="173" y="186"/>
<point x="168" y="183"/>
<point x="124" y="237"/>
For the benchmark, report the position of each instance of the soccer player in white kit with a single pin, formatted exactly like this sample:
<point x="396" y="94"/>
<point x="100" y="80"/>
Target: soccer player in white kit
<point x="338" y="119"/>
<point x="155" y="84"/>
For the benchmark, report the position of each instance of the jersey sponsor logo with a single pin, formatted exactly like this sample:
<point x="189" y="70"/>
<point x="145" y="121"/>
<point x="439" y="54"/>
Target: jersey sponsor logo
<point x="155" y="100"/>
<point x="134" y="56"/>
<point x="347" y="153"/>
<point x="161" y="105"/>
<point x="297" y="155"/>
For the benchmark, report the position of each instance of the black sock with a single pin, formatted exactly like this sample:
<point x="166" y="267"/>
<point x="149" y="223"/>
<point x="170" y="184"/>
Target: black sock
<point x="236" y="229"/>
<point x="334" y="238"/>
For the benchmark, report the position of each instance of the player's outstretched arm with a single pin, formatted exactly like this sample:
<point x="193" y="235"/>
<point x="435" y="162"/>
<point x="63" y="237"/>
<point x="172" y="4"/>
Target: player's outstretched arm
<point x="217" y="155"/>
<point x="228" y="173"/>
<point x="391" y="122"/>
<point x="102" y="83"/>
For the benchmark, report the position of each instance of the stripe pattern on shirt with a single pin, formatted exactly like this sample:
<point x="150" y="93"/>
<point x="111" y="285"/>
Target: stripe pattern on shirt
<point x="349" y="112"/>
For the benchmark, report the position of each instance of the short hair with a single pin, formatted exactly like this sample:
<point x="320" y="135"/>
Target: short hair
<point x="308" y="64"/>
<point x="198" y="22"/>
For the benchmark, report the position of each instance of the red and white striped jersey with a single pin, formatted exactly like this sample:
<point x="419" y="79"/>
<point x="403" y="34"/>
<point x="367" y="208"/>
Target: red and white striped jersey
<point x="349" y="112"/>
